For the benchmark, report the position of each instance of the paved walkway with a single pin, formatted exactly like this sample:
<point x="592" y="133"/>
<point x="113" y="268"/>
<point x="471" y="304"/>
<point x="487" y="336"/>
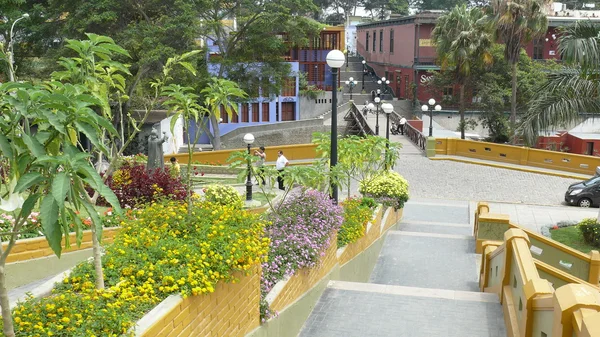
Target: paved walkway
<point x="424" y="284"/>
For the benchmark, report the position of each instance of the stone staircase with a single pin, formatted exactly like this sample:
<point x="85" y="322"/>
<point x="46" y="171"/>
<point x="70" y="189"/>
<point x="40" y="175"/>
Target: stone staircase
<point x="425" y="283"/>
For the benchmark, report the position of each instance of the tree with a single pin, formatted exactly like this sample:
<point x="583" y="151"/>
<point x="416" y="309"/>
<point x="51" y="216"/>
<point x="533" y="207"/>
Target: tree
<point x="379" y="8"/>
<point x="424" y="5"/>
<point x="516" y="24"/>
<point x="572" y="89"/>
<point x="462" y="42"/>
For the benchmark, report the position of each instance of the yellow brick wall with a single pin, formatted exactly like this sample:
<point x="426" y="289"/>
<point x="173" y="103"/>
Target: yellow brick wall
<point x="231" y="310"/>
<point x="306" y="278"/>
<point x="34" y="248"/>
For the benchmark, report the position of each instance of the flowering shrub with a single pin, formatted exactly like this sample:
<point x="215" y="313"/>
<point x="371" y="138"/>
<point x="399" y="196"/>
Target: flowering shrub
<point x="223" y="195"/>
<point x="388" y="188"/>
<point x="163" y="252"/>
<point x="299" y="233"/>
<point x="138" y="159"/>
<point x="356" y="216"/>
<point x="134" y="185"/>
<point x="590" y="230"/>
<point x="31" y="228"/>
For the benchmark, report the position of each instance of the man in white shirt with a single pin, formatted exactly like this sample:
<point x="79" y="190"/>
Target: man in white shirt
<point x="402" y="124"/>
<point x="280" y="165"/>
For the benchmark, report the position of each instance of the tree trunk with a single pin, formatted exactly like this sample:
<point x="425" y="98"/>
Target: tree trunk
<point x="461" y="109"/>
<point x="216" y="142"/>
<point x="7" y="319"/>
<point x="97" y="254"/>
<point x="513" y="99"/>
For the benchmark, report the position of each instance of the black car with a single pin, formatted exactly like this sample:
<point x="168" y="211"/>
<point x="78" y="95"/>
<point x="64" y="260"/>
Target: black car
<point x="585" y="193"/>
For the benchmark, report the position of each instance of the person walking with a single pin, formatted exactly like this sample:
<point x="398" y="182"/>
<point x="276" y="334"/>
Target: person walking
<point x="260" y="165"/>
<point x="402" y="124"/>
<point x="280" y="165"/>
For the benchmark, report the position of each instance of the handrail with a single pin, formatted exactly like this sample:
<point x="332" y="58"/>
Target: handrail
<point x="417" y="137"/>
<point x="360" y="120"/>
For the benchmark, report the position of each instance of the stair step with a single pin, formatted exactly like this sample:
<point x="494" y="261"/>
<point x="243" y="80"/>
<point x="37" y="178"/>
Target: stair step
<point x="436" y="228"/>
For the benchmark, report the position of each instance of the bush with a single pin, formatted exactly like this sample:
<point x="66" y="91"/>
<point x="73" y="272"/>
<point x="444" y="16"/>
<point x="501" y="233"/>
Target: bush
<point x="356" y="216"/>
<point x="388" y="188"/>
<point x="164" y="252"/>
<point x="223" y="195"/>
<point x="590" y="230"/>
<point x="134" y="185"/>
<point x="369" y="202"/>
<point x="299" y="233"/>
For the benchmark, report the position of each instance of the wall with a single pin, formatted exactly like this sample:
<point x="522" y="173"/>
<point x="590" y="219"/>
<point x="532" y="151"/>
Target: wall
<point x="313" y="108"/>
<point x="231" y="310"/>
<point x="175" y="138"/>
<point x="518" y="155"/>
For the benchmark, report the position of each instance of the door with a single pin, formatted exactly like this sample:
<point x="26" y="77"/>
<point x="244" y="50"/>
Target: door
<point x="590" y="149"/>
<point x="398" y="85"/>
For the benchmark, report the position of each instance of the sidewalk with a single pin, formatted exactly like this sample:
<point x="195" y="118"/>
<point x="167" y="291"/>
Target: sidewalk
<point x="531" y="169"/>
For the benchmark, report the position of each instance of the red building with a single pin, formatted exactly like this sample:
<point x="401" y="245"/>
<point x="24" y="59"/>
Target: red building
<point x="401" y="50"/>
<point x="582" y="139"/>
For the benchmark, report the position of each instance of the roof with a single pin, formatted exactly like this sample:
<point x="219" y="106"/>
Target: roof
<point x="585" y="135"/>
<point x="423" y="17"/>
<point x="590" y="125"/>
<point x="154" y="117"/>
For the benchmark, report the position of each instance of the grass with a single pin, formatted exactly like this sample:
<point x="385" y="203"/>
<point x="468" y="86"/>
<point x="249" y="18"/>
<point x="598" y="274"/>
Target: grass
<point x="259" y="196"/>
<point x="571" y="237"/>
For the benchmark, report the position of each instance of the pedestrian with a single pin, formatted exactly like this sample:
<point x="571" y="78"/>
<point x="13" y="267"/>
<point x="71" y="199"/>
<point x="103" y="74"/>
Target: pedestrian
<point x="280" y="165"/>
<point x="175" y="168"/>
<point x="260" y="165"/>
<point x="402" y="124"/>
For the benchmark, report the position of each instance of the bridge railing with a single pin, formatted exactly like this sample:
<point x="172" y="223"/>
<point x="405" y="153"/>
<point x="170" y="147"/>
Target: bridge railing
<point x="416" y="136"/>
<point x="361" y="121"/>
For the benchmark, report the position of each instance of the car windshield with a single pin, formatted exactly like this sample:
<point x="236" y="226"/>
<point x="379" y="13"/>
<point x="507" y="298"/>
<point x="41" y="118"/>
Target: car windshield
<point x="592" y="181"/>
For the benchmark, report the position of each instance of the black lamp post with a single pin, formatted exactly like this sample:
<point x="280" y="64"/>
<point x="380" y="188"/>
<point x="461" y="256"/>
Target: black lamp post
<point x="430" y="108"/>
<point x="364" y="72"/>
<point x="249" y="139"/>
<point x="377" y="102"/>
<point x="335" y="60"/>
<point x="351" y="83"/>
<point x="387" y="108"/>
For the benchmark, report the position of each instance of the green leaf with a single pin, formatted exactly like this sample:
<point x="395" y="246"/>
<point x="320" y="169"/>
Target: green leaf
<point x="28" y="180"/>
<point x="60" y="186"/>
<point x="29" y="204"/>
<point x="78" y="226"/>
<point x="36" y="148"/>
<point x="49" y="219"/>
<point x="5" y="147"/>
<point x="189" y="67"/>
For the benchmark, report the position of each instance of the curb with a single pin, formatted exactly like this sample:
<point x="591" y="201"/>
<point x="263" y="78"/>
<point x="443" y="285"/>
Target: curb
<point x="514" y="168"/>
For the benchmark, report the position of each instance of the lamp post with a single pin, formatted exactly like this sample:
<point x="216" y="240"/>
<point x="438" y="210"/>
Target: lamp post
<point x="335" y="60"/>
<point x="387" y="108"/>
<point x="430" y="108"/>
<point x="364" y="72"/>
<point x="377" y="102"/>
<point x="351" y="83"/>
<point x="11" y="59"/>
<point x="249" y="139"/>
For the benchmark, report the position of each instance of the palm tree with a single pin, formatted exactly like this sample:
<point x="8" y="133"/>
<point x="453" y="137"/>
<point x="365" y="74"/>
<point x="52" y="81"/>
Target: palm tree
<point x="462" y="43"/>
<point x="220" y="93"/>
<point x="571" y="90"/>
<point x="517" y="22"/>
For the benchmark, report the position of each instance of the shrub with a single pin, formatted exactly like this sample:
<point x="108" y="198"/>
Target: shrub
<point x="388" y="188"/>
<point x="368" y="202"/>
<point x="223" y="195"/>
<point x="299" y="233"/>
<point x="590" y="230"/>
<point x="356" y="216"/>
<point x="164" y="252"/>
<point x="134" y="185"/>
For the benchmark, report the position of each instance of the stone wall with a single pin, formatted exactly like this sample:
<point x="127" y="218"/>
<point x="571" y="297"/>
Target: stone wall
<point x="313" y="108"/>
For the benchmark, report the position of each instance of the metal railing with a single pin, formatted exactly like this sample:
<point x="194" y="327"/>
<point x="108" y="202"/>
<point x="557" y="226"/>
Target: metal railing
<point x="361" y="121"/>
<point x="416" y="136"/>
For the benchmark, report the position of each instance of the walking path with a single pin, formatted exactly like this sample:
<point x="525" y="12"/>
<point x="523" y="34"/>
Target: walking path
<point x="425" y="283"/>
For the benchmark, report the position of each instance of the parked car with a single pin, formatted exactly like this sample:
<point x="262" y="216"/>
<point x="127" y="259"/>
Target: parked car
<point x="585" y="193"/>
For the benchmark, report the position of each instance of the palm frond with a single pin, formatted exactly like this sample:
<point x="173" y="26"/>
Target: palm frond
<point x="578" y="44"/>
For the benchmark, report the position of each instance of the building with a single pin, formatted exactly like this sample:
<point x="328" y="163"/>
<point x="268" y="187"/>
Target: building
<point x="582" y="139"/>
<point x="401" y="50"/>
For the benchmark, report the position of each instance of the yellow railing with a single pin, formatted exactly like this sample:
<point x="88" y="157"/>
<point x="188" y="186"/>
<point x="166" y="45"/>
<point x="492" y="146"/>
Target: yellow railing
<point x="562" y="161"/>
<point x="491" y="227"/>
<point x="291" y="152"/>
<point x="531" y="306"/>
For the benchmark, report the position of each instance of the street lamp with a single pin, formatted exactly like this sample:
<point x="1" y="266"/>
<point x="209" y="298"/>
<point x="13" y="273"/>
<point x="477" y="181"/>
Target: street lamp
<point x="387" y="108"/>
<point x="335" y="60"/>
<point x="351" y="83"/>
<point x="11" y="59"/>
<point x="377" y="102"/>
<point x="364" y="72"/>
<point x="249" y="139"/>
<point x="430" y="108"/>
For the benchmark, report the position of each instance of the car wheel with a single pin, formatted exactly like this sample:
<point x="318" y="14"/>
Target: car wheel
<point x="584" y="202"/>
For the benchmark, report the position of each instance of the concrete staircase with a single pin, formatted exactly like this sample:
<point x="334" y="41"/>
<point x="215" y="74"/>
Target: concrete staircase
<point x="425" y="283"/>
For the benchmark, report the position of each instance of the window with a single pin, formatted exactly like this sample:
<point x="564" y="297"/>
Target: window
<point x="381" y="41"/>
<point x="391" y="41"/>
<point x="265" y="112"/>
<point x="538" y="49"/>
<point x="245" y="113"/>
<point x="374" y="39"/>
<point x="255" y="112"/>
<point x="367" y="42"/>
<point x="448" y="92"/>
<point x="224" y="115"/>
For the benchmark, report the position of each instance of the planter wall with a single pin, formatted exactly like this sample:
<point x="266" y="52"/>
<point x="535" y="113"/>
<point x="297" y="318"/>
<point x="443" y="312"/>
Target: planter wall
<point x="231" y="310"/>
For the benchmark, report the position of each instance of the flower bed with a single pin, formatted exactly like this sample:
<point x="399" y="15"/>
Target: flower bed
<point x="300" y="232"/>
<point x="357" y="213"/>
<point x="162" y="253"/>
<point x="388" y="188"/>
